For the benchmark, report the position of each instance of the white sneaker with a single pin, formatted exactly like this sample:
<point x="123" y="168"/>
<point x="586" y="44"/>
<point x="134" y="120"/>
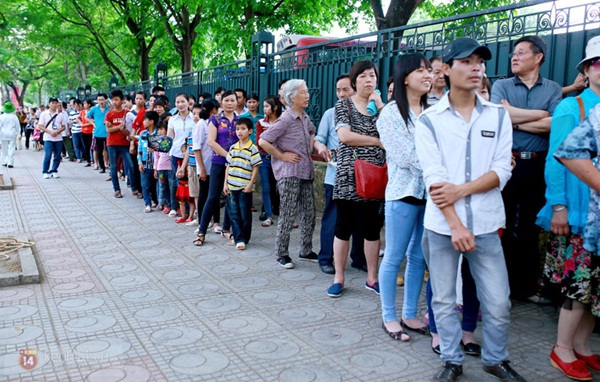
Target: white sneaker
<point x="55" y="175"/>
<point x="46" y="176"/>
<point x="148" y="209"/>
<point x="192" y="223"/>
<point x="173" y="213"/>
<point x="218" y="229"/>
<point x="197" y="231"/>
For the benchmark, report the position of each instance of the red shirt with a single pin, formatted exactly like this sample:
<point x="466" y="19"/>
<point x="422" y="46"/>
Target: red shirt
<point x="138" y="124"/>
<point x="116" y="118"/>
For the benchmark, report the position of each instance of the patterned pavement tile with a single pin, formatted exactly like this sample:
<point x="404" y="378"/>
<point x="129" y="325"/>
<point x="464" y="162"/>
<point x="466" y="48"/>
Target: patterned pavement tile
<point x="125" y="296"/>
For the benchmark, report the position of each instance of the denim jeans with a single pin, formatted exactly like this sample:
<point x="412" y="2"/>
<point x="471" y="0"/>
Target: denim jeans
<point x="357" y="253"/>
<point x="148" y="186"/>
<point x="174" y="181"/>
<point x="403" y="234"/>
<point x="202" y="197"/>
<point x="239" y="207"/>
<point x="164" y="190"/>
<point x="78" y="145"/>
<point x="470" y="302"/>
<point x="51" y="148"/>
<point x="265" y="172"/>
<point x="114" y="152"/>
<point x="489" y="271"/>
<point x="217" y="180"/>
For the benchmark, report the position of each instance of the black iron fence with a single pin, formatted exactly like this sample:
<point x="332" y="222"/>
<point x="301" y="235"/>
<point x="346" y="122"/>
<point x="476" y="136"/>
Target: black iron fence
<point x="565" y="27"/>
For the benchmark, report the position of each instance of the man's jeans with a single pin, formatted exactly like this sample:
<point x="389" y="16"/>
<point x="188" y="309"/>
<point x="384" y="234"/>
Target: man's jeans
<point x="403" y="234"/>
<point x="264" y="171"/>
<point x="239" y="207"/>
<point x="148" y="186"/>
<point x="78" y="145"/>
<point x="114" y="152"/>
<point x="489" y="271"/>
<point x="50" y="148"/>
<point x="357" y="253"/>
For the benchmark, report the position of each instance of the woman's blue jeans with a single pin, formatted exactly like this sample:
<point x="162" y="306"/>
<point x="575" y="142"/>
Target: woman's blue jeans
<point x="217" y="180"/>
<point x="403" y="234"/>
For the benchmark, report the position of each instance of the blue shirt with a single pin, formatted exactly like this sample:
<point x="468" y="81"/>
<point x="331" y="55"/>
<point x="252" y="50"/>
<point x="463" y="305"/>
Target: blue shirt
<point x="327" y="135"/>
<point x="98" y="116"/>
<point x="562" y="187"/>
<point x="142" y="156"/>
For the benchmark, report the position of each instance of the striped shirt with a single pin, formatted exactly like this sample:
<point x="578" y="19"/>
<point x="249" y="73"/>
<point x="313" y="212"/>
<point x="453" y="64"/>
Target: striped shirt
<point x="241" y="161"/>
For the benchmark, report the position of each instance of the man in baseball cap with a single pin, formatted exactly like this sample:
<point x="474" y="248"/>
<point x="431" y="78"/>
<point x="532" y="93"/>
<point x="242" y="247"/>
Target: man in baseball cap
<point x="464" y="146"/>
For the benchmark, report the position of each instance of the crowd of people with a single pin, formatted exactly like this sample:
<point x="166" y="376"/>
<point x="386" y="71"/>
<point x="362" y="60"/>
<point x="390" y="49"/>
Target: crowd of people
<point x="475" y="173"/>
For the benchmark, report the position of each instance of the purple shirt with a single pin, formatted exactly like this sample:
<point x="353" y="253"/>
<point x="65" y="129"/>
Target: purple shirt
<point x="226" y="136"/>
<point x="292" y="133"/>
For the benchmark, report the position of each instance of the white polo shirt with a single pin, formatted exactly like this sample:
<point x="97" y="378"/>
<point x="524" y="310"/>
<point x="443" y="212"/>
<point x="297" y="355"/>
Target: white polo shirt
<point x="453" y="150"/>
<point x="56" y="124"/>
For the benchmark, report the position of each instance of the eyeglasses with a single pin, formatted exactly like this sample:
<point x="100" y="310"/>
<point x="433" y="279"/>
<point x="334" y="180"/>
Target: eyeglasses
<point x="519" y="54"/>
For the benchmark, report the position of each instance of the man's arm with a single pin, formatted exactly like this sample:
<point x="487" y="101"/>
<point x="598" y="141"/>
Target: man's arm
<point x="462" y="239"/>
<point x="539" y="126"/>
<point x="520" y="116"/>
<point x="446" y="194"/>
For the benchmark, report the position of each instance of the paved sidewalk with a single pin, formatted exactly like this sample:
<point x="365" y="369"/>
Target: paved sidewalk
<point x="125" y="296"/>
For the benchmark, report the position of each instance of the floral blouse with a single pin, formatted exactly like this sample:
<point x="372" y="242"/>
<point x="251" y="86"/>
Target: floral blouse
<point x="405" y="177"/>
<point x="583" y="143"/>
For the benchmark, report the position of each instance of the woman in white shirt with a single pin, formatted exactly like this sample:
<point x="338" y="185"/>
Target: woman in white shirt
<point x="404" y="195"/>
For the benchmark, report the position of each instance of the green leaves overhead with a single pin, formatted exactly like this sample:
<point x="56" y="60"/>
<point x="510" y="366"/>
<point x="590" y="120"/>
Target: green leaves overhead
<point x="69" y="43"/>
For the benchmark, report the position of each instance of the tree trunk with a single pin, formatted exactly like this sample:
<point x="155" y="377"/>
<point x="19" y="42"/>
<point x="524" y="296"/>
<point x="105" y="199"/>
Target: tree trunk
<point x="397" y="15"/>
<point x="186" y="55"/>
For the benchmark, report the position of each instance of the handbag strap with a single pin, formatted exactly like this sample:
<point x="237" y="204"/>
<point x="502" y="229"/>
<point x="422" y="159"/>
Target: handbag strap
<point x="50" y="121"/>
<point x="581" y="108"/>
<point x="350" y="122"/>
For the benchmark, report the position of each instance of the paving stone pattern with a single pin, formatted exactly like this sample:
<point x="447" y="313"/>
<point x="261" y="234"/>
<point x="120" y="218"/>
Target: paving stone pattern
<point x="125" y="296"/>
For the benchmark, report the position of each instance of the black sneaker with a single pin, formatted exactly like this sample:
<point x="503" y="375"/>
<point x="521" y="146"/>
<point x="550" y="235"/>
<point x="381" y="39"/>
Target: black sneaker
<point x="311" y="256"/>
<point x="285" y="262"/>
<point x="262" y="217"/>
<point x="448" y="373"/>
<point x="504" y="372"/>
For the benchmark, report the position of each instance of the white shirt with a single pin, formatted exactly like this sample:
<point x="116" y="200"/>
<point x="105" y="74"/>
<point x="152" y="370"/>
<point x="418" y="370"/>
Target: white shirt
<point x="405" y="177"/>
<point x="181" y="128"/>
<point x="200" y="142"/>
<point x="65" y="132"/>
<point x="455" y="151"/>
<point x="9" y="126"/>
<point x="56" y="124"/>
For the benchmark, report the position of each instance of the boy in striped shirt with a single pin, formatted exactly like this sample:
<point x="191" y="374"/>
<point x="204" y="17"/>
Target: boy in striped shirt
<point x="242" y="169"/>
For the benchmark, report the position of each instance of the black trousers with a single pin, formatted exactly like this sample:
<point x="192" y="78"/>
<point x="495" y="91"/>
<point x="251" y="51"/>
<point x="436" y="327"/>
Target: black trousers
<point x="136" y="179"/>
<point x="523" y="198"/>
<point x="87" y="144"/>
<point x="100" y="146"/>
<point x="28" y="133"/>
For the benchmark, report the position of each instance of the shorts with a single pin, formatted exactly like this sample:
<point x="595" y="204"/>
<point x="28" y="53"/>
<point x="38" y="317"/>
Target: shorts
<point x="193" y="182"/>
<point x="353" y="215"/>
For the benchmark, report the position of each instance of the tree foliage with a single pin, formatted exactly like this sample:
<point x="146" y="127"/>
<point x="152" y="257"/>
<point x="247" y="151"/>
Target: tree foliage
<point x="52" y="45"/>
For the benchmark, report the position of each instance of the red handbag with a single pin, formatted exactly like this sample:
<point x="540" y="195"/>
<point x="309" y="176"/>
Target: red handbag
<point x="371" y="179"/>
